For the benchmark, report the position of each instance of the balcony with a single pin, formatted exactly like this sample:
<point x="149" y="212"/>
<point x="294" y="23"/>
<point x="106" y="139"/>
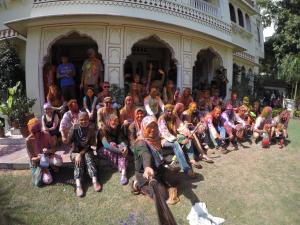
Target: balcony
<point x="195" y="11"/>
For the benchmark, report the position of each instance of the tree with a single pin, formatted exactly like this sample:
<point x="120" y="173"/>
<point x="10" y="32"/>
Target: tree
<point x="285" y="14"/>
<point x="290" y="70"/>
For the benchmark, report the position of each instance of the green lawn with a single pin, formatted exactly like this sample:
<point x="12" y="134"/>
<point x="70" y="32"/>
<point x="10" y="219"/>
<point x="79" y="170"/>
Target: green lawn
<point x="250" y="186"/>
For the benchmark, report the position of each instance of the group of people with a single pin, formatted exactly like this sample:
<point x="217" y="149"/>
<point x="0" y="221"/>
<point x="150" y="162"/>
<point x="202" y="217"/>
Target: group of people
<point x="165" y="130"/>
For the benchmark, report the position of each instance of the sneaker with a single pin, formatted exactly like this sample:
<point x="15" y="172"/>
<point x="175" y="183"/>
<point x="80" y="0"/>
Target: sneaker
<point x="123" y="180"/>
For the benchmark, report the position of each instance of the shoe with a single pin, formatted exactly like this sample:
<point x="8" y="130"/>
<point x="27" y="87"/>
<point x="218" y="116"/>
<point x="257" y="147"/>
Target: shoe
<point x="123" y="180"/>
<point x="205" y="158"/>
<point x="173" y="198"/>
<point x="79" y="191"/>
<point x="191" y="174"/>
<point x="97" y="186"/>
<point x="172" y="167"/>
<point x="224" y="151"/>
<point x="134" y="188"/>
<point x="197" y="166"/>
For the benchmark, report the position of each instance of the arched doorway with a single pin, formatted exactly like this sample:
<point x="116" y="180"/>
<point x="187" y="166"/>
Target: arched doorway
<point x="75" y="46"/>
<point x="205" y="69"/>
<point x="148" y="51"/>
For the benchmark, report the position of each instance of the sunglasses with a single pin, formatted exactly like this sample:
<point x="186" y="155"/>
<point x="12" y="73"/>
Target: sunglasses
<point x="106" y="86"/>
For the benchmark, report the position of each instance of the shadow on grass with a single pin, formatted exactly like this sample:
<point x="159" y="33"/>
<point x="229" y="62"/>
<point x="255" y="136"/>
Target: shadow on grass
<point x="186" y="185"/>
<point x="8" y="210"/>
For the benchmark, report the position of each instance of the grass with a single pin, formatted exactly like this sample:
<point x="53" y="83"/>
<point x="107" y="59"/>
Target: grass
<point x="250" y="186"/>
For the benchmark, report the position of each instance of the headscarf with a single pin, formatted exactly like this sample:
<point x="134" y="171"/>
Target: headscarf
<point x="138" y="125"/>
<point x="153" y="142"/>
<point x="266" y="112"/>
<point x="34" y="125"/>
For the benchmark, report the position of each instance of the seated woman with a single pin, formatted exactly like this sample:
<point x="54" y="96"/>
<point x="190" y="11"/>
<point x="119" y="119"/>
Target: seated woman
<point x="50" y="123"/>
<point x="69" y="119"/>
<point x="55" y="99"/>
<point x="149" y="162"/>
<point x="216" y="131"/>
<point x="39" y="146"/>
<point x="82" y="137"/>
<point x="281" y="123"/>
<point x="127" y="114"/>
<point x="89" y="103"/>
<point x="168" y="125"/>
<point x="114" y="146"/>
<point x="104" y="113"/>
<point x="134" y="129"/>
<point x="264" y="118"/>
<point x="230" y="122"/>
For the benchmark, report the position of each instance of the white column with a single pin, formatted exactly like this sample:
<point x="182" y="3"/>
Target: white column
<point x="179" y="76"/>
<point x="34" y="76"/>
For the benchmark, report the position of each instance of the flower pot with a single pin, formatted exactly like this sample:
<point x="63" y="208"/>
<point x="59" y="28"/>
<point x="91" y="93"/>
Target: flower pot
<point x="24" y="131"/>
<point x="2" y="132"/>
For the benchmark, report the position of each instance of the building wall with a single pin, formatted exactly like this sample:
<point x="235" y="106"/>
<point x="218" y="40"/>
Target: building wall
<point x="114" y="43"/>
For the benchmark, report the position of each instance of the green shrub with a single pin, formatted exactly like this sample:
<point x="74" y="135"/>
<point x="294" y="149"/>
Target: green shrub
<point x="297" y="113"/>
<point x="276" y="111"/>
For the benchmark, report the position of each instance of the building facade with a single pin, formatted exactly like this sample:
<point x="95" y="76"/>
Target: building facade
<point x="192" y="38"/>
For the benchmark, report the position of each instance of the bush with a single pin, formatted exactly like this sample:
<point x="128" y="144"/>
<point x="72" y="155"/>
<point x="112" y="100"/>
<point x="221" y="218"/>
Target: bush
<point x="297" y="113"/>
<point x="276" y="111"/>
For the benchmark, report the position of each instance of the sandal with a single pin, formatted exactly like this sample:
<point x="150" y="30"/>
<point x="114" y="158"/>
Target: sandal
<point x="197" y="166"/>
<point x="205" y="158"/>
<point x="134" y="189"/>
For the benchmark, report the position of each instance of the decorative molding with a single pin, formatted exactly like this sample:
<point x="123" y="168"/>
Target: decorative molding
<point x="51" y="34"/>
<point x="245" y="55"/>
<point x="187" y="61"/>
<point x="115" y="35"/>
<point x="114" y="55"/>
<point x="114" y="75"/>
<point x="8" y="33"/>
<point x="187" y="77"/>
<point x="241" y="31"/>
<point x="187" y="45"/>
<point x="132" y="36"/>
<point x="187" y="11"/>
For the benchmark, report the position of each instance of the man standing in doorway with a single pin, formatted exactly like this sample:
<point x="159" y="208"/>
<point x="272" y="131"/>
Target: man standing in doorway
<point x="91" y="72"/>
<point x="65" y="73"/>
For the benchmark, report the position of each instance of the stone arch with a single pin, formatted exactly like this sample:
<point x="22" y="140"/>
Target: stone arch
<point x="141" y="37"/>
<point x="206" y="62"/>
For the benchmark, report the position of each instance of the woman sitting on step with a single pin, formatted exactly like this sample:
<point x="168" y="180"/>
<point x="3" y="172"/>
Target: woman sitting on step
<point x="41" y="152"/>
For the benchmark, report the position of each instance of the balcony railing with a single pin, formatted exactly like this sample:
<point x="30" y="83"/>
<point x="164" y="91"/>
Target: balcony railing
<point x="194" y="10"/>
<point x="7" y="33"/>
<point x="202" y="6"/>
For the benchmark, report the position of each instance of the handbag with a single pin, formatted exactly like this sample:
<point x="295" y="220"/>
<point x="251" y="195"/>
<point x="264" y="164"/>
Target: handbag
<point x="37" y="176"/>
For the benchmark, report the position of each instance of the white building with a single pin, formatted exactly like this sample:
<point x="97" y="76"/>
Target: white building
<point x="197" y="36"/>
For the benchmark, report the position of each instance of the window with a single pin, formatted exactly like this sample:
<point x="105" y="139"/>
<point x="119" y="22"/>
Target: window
<point x="232" y="13"/>
<point x="241" y="18"/>
<point x="248" y="22"/>
<point x="258" y="35"/>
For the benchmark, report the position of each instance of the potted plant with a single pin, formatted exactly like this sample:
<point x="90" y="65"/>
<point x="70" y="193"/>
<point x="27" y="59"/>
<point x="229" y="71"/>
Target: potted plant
<point x="7" y="107"/>
<point x="18" y="108"/>
<point x="2" y="132"/>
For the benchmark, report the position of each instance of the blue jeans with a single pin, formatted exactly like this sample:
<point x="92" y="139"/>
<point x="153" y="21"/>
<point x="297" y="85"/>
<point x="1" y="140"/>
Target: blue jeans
<point x="222" y="131"/>
<point x="179" y="155"/>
